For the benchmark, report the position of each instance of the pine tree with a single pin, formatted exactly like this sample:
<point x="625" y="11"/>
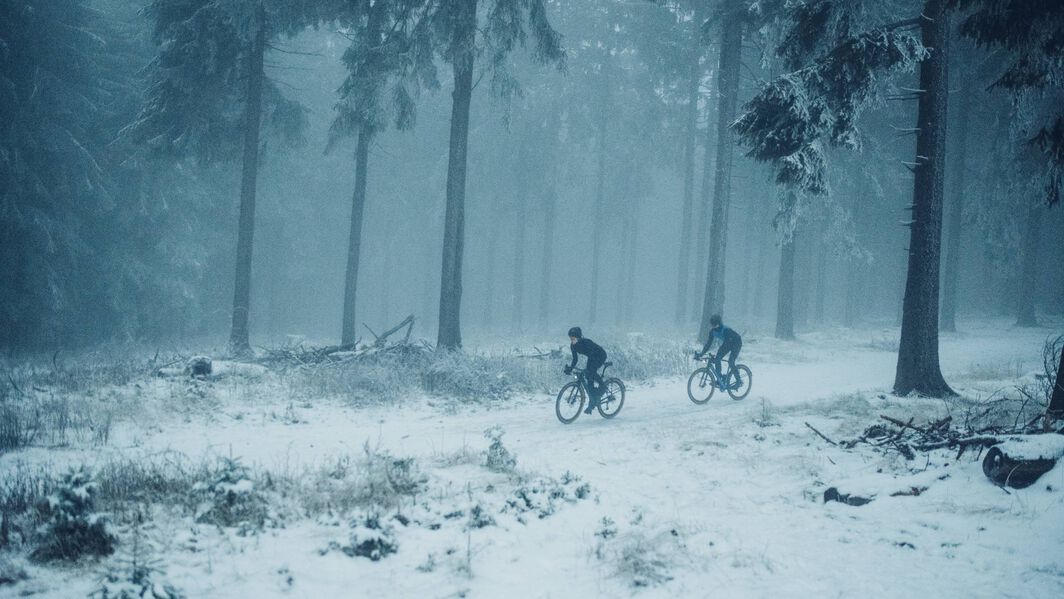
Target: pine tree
<point x="506" y="24"/>
<point x="210" y="57"/>
<point x="388" y="60"/>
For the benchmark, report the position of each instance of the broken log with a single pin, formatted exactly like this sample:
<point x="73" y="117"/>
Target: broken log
<point x="1007" y="471"/>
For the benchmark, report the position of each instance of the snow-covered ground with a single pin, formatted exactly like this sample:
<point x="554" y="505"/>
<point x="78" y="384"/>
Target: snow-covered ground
<point x="724" y="499"/>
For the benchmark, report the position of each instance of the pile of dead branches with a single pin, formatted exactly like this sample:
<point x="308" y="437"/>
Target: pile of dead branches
<point x="316" y="357"/>
<point x="907" y="438"/>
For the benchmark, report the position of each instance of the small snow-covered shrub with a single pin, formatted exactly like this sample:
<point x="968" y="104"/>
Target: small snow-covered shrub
<point x="72" y="528"/>
<point x="369" y="538"/>
<point x="376" y="480"/>
<point x="543" y="496"/>
<point x="229" y="497"/>
<point x="638" y="557"/>
<point x="135" y="573"/>
<point x="499" y="459"/>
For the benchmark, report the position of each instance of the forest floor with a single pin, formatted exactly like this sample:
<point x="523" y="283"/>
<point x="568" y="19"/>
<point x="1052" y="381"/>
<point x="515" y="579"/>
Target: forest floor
<point x="667" y="499"/>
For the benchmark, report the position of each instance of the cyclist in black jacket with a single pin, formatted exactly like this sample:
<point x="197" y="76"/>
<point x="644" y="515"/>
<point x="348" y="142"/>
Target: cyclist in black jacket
<point x="596" y="357"/>
<point x="730" y="345"/>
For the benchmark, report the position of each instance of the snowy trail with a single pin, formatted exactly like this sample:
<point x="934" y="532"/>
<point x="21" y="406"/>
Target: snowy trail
<point x="732" y="506"/>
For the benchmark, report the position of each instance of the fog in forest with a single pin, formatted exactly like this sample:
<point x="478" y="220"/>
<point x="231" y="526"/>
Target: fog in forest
<point x="593" y="176"/>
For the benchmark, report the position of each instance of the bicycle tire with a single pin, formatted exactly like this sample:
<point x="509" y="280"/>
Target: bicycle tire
<point x="566" y="396"/>
<point x="612" y="398"/>
<point x="746" y="378"/>
<point x="701" y="379"/>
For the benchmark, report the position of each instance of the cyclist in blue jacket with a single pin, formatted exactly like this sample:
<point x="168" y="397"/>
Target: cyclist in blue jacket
<point x="730" y="345"/>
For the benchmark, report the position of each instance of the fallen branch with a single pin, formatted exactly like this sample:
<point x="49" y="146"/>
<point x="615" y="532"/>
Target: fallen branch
<point x="822" y="435"/>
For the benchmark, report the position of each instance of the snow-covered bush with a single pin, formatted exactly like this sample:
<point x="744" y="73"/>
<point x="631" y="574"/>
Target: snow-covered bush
<point x="369" y="538"/>
<point x="229" y="497"/>
<point x="376" y="480"/>
<point x="72" y="527"/>
<point x="135" y="573"/>
<point x="543" y="496"/>
<point x="499" y="459"/>
<point x="639" y="557"/>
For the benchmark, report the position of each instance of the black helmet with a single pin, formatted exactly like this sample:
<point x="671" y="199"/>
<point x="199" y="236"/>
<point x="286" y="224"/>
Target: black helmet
<point x="576" y="332"/>
<point x="715" y="320"/>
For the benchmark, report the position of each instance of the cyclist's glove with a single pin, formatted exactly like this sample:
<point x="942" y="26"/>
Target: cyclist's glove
<point x="568" y="370"/>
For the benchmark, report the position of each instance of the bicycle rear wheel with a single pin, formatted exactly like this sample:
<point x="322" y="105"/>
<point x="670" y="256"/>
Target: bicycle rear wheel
<point x="570" y="402"/>
<point x="612" y="399"/>
<point x="701" y="385"/>
<point x="739" y="389"/>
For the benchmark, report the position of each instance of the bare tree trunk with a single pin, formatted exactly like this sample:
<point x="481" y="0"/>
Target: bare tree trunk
<point x="349" y="332"/>
<point x="730" y="63"/>
<point x="785" y="291"/>
<point x="489" y="292"/>
<point x="918" y="363"/>
<point x="1028" y="288"/>
<point x="551" y="198"/>
<point x="821" y="260"/>
<point x="517" y="316"/>
<point x="450" y="330"/>
<point x="687" y="212"/>
<point x="1056" y="399"/>
<point x="600" y="192"/>
<point x="239" y="340"/>
<point x="956" y="212"/>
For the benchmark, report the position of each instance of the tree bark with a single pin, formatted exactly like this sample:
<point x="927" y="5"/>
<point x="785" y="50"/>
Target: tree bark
<point x="1056" y="398"/>
<point x="600" y="191"/>
<point x="489" y="291"/>
<point x="349" y="332"/>
<point x="918" y="363"/>
<point x="521" y="209"/>
<point x="1028" y="288"/>
<point x="450" y="330"/>
<point x="730" y="63"/>
<point x="821" y="252"/>
<point x="239" y="339"/>
<point x="687" y="211"/>
<point x="951" y="267"/>
<point x="551" y="198"/>
<point x="785" y="291"/>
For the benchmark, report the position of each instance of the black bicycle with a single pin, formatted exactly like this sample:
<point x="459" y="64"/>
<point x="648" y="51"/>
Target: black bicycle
<point x="704" y="381"/>
<point x="571" y="398"/>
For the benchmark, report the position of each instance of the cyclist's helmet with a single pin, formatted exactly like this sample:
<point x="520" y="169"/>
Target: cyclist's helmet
<point x="715" y="320"/>
<point x="576" y="332"/>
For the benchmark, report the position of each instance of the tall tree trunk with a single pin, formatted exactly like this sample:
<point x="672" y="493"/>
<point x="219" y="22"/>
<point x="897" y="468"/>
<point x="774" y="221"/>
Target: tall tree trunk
<point x="952" y="266"/>
<point x="632" y="241"/>
<point x="489" y="291"/>
<point x="687" y="211"/>
<point x="450" y="330"/>
<point x="600" y="191"/>
<point x="349" y="332"/>
<point x="1028" y="288"/>
<point x="238" y="339"/>
<point x="785" y="291"/>
<point x="918" y="363"/>
<point x="518" y="314"/>
<point x="730" y="62"/>
<point x="551" y="198"/>
<point x="1056" y="398"/>
<point x="821" y="259"/>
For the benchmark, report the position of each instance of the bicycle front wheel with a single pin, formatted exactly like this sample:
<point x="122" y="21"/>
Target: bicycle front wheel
<point x="701" y="385"/>
<point x="612" y="399"/>
<point x="570" y="402"/>
<point x="740" y="383"/>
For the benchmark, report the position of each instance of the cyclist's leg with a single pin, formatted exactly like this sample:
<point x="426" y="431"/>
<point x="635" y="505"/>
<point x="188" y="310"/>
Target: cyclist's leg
<point x="733" y="358"/>
<point x="716" y="362"/>
<point x="594" y="378"/>
<point x="730" y="350"/>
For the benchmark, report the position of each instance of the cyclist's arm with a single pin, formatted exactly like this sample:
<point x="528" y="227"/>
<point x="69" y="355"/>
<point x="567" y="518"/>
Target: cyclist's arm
<point x="572" y="348"/>
<point x="709" y="343"/>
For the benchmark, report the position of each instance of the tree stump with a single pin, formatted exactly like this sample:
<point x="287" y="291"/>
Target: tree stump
<point x="1012" y="472"/>
<point x="200" y="366"/>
